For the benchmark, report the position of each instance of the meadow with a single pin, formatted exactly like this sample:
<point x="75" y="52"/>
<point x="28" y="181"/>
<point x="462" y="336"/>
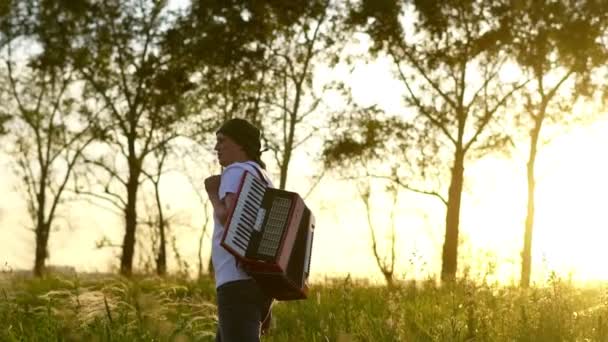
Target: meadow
<point x="111" y="308"/>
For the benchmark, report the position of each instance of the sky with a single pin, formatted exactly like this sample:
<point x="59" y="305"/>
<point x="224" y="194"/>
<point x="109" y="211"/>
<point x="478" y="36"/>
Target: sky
<point x="570" y="231"/>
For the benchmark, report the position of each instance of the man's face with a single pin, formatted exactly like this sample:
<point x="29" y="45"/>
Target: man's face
<point x="228" y="151"/>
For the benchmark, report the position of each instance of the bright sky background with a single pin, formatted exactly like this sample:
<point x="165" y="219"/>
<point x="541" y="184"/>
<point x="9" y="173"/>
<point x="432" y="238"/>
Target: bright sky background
<point x="569" y="237"/>
<point x="570" y="234"/>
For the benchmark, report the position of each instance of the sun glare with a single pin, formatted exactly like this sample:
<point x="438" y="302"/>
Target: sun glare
<point x="571" y="225"/>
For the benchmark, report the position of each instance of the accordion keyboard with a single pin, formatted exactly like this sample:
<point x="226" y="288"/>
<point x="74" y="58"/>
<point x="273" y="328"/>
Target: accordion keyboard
<point x="245" y="214"/>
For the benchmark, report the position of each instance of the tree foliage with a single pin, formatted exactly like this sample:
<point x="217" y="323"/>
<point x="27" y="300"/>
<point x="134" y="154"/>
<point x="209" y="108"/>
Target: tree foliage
<point x="221" y="46"/>
<point x="115" y="47"/>
<point x="292" y="98"/>
<point x="557" y="45"/>
<point x="49" y="127"/>
<point x="448" y="56"/>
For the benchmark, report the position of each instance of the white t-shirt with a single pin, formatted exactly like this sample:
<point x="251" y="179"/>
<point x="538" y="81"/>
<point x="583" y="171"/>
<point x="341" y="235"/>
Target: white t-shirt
<point x="224" y="263"/>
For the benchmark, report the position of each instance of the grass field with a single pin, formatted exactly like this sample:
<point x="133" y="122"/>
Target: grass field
<point x="108" y="308"/>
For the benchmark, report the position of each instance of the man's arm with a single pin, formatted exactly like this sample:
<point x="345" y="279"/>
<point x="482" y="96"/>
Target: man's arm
<point x="221" y="208"/>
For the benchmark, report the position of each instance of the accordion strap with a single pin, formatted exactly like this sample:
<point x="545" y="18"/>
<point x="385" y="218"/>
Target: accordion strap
<point x="260" y="174"/>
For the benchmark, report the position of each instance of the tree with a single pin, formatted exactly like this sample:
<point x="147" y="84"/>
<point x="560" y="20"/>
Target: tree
<point x="448" y="57"/>
<point x="360" y="140"/>
<point x="5" y="12"/>
<point x="261" y="67"/>
<point x="556" y="45"/>
<point x="220" y="45"/>
<point x="194" y="156"/>
<point x="13" y="19"/>
<point x="50" y="132"/>
<point x="289" y="97"/>
<point x="161" y="223"/>
<point x="14" y="23"/>
<point x="116" y="50"/>
<point x="387" y="268"/>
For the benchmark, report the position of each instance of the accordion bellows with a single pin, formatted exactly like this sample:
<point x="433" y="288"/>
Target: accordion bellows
<point x="270" y="231"/>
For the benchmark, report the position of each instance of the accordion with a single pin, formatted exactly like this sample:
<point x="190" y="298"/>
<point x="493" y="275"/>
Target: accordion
<point x="270" y="231"/>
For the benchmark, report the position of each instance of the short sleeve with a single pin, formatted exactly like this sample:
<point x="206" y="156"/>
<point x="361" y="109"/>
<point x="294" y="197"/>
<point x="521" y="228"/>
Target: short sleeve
<point x="231" y="179"/>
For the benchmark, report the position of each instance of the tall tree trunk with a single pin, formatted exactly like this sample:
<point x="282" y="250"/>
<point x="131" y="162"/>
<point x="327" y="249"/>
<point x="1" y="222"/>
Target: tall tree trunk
<point x="161" y="261"/>
<point x="200" y="256"/>
<point x="200" y="251"/>
<point x="290" y="137"/>
<point x="210" y="268"/>
<point x="452" y="220"/>
<point x="526" y="255"/>
<point x="200" y="244"/>
<point x="128" y="244"/>
<point x="42" y="239"/>
<point x="161" y="257"/>
<point x="285" y="167"/>
<point x="42" y="229"/>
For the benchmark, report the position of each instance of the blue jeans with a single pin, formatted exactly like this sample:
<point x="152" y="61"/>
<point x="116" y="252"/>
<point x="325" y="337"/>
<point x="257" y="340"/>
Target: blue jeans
<point x="241" y="307"/>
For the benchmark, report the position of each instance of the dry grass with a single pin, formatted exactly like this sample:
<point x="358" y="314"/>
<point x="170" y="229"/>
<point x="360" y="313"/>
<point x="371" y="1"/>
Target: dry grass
<point x="108" y="308"/>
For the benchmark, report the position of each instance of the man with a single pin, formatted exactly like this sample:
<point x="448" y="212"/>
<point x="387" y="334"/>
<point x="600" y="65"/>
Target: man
<point x="242" y="306"/>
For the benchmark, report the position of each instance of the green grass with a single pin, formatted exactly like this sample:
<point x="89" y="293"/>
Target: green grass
<point x="90" y="308"/>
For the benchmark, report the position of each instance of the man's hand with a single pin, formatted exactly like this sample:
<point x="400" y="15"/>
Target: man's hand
<point x="220" y="208"/>
<point x="212" y="185"/>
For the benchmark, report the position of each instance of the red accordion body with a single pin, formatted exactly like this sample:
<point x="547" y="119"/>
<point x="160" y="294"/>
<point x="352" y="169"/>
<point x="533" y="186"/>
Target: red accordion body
<point x="270" y="231"/>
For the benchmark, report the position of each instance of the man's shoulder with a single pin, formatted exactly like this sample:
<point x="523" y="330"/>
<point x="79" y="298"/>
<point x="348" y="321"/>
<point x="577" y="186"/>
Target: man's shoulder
<point x="237" y="168"/>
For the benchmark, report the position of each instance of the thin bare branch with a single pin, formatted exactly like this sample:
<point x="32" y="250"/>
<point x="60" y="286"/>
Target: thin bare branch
<point x="419" y="104"/>
<point x="414" y="61"/>
<point x="490" y="113"/>
<point x="120" y="204"/>
<point x="113" y="173"/>
<point x="411" y="188"/>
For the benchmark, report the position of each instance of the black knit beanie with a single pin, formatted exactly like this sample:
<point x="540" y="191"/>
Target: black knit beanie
<point x="245" y="135"/>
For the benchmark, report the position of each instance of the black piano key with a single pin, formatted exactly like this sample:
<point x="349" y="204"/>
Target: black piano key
<point x="255" y="190"/>
<point x="257" y="184"/>
<point x="254" y="203"/>
<point x="244" y="236"/>
<point x="248" y="220"/>
<point x="243" y="227"/>
<point x="253" y="206"/>
<point x="250" y="204"/>
<point x="243" y="233"/>
<point x="239" y="242"/>
<point x="247" y="204"/>
<point x="258" y="193"/>
<point x="243" y="212"/>
<point x="243" y="241"/>
<point x="250" y="211"/>
<point x="247" y="213"/>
